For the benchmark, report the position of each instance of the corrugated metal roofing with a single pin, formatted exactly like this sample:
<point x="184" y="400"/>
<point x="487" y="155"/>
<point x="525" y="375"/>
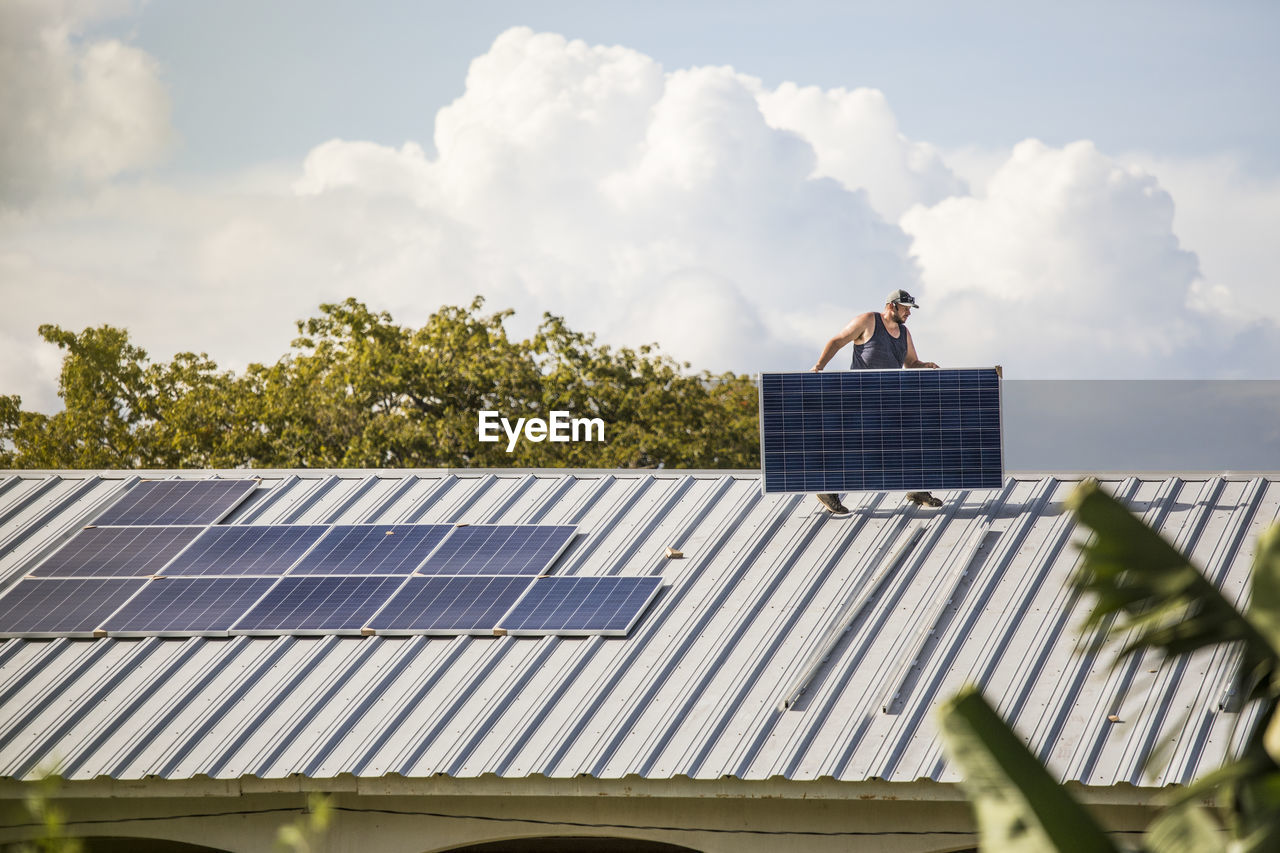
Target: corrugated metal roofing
<point x="974" y="592"/>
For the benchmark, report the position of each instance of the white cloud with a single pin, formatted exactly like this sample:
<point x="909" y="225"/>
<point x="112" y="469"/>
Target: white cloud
<point x="857" y="141"/>
<point x="584" y="179"/>
<point x="1066" y="260"/>
<point x="75" y="111"/>
<point x="1229" y="218"/>
<point x="736" y="225"/>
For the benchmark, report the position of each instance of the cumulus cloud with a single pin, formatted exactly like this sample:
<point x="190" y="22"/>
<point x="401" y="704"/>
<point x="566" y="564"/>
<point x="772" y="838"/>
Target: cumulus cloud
<point x="1229" y="215"/>
<point x="1064" y="252"/>
<point x="75" y="111"/>
<point x="856" y="139"/>
<point x="585" y="179"/>
<point x="738" y="226"/>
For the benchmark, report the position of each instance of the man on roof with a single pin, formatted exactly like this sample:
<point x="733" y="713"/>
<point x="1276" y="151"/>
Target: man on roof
<point x="880" y="342"/>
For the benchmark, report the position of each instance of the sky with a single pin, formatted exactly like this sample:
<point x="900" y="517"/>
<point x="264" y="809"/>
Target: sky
<point x="1073" y="191"/>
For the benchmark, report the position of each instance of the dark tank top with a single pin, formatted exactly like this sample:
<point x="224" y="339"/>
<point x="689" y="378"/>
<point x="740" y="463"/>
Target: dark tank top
<point x="882" y="350"/>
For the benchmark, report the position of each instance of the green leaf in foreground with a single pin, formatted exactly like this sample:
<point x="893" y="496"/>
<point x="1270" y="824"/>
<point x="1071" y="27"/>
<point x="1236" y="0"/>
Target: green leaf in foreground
<point x="1019" y="807"/>
<point x="1189" y="829"/>
<point x="1135" y="575"/>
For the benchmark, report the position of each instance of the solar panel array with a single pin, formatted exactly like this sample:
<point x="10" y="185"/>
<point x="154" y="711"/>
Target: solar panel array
<point x="880" y="430"/>
<point x="145" y="579"/>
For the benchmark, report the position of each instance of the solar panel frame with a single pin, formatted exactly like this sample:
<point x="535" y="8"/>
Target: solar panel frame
<point x="171" y="503"/>
<point x="195" y="606"/>
<point x="578" y="606"/>
<point x="321" y="559"/>
<point x="314" y="605"/>
<point x="926" y="429"/>
<point x="106" y="552"/>
<point x="213" y="552"/>
<point x="456" y="554"/>
<point x="449" y="605"/>
<point x="83" y="604"/>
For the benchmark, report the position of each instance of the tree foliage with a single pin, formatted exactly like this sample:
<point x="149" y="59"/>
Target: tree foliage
<point x="358" y="390"/>
<point x="1143" y="590"/>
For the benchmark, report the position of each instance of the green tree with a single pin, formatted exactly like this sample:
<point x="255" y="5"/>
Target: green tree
<point x="102" y="383"/>
<point x="190" y="413"/>
<point x="657" y="414"/>
<point x="1144" y="589"/>
<point x="358" y="390"/>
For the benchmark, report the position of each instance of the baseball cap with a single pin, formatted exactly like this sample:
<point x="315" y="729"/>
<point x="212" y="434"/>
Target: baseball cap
<point x="902" y="298"/>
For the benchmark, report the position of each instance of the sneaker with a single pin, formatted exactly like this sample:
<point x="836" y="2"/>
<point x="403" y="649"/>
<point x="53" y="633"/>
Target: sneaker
<point x="924" y="499"/>
<point x="832" y="502"/>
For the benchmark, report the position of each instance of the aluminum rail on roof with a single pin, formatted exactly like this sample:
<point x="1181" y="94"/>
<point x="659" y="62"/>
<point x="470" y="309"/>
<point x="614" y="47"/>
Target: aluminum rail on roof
<point x="983" y="595"/>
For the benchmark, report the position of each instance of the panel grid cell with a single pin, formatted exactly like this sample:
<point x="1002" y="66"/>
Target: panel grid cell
<point x="76" y="607"/>
<point x="880" y="430"/>
<point x="372" y="549"/>
<point x="170" y="502"/>
<point x="581" y="606"/>
<point x="117" y="552"/>
<point x="499" y="549"/>
<point x="248" y="550"/>
<point x="450" y="604"/>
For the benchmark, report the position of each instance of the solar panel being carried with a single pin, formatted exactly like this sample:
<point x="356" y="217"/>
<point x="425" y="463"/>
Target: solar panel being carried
<point x="117" y="552"/>
<point x="372" y="549"/>
<point x="500" y="549"/>
<point x="881" y="430"/>
<point x="582" y="606"/>
<point x="76" y="607"/>
<point x="247" y="550"/>
<point x="177" y="502"/>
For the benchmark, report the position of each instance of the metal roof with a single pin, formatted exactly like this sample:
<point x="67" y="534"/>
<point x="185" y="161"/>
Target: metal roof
<point x="751" y="620"/>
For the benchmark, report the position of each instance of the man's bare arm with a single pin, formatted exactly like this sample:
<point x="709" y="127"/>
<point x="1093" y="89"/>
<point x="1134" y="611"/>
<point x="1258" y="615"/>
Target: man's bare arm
<point x="912" y="360"/>
<point x="858" y="330"/>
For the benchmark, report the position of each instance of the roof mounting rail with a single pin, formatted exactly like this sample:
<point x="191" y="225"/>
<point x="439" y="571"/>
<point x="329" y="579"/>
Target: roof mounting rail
<point x="959" y="579"/>
<point x="852" y="608"/>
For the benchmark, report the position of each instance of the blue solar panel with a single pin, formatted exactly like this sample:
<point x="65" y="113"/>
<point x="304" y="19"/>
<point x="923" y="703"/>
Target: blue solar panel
<point x="54" y="608"/>
<point x="581" y="605"/>
<point x="372" y="549"/>
<point x="499" y="549"/>
<point x="177" y="502"/>
<point x="880" y="430"/>
<point x="318" y="605"/>
<point x="248" y="550"/>
<point x="450" y="604"/>
<point x="185" y="606"/>
<point x="117" y="552"/>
